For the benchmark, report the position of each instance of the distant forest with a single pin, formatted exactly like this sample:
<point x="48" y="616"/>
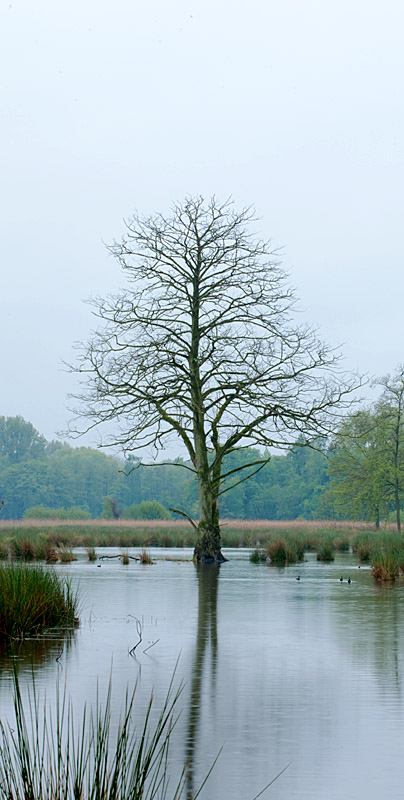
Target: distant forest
<point x="359" y="474"/>
<point x="34" y="472"/>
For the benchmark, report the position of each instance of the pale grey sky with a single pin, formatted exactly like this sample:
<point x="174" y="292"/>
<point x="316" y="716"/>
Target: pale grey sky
<point x="294" y="107"/>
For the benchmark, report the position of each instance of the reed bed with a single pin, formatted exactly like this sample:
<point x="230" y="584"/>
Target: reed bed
<point x="326" y="550"/>
<point x="145" y="557"/>
<point x="55" y="542"/>
<point x="284" y="550"/>
<point x="157" y="533"/>
<point x="33" y="599"/>
<point x="46" y="755"/>
<point x="236" y="524"/>
<point x="386" y="566"/>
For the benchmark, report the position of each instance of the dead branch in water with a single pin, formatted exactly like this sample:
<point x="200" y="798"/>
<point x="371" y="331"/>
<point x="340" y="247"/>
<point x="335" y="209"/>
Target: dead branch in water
<point x="139" y="633"/>
<point x="134" y="558"/>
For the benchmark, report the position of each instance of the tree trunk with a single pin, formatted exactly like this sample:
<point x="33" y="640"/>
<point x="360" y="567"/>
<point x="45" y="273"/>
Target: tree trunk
<point x="397" y="504"/>
<point x="207" y="547"/>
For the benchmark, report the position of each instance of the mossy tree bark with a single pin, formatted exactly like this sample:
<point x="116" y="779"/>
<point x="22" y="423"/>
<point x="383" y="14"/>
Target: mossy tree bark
<point x="207" y="546"/>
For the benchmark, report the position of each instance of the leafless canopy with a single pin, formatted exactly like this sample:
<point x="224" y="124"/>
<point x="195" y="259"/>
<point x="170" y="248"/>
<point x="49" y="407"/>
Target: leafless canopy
<point x="204" y="343"/>
<point x="205" y="298"/>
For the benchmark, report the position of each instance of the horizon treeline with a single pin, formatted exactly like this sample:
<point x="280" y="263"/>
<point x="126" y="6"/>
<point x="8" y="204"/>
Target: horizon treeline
<point x="358" y="474"/>
<point x="35" y="472"/>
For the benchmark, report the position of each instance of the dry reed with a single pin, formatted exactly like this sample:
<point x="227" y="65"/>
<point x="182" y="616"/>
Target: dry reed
<point x="235" y="524"/>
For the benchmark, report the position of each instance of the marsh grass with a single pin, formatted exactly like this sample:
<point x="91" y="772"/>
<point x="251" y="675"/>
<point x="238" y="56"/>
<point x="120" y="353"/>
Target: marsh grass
<point x="91" y="554"/>
<point x="29" y="539"/>
<point x="385" y="566"/>
<point x="258" y="556"/>
<point x="179" y="524"/>
<point x="51" y="555"/>
<point x="66" y="556"/>
<point x="33" y="599"/>
<point x="125" y="557"/>
<point x="145" y="557"/>
<point x="48" y="757"/>
<point x="325" y="550"/>
<point x="282" y="551"/>
<point x="342" y="544"/>
<point x="362" y="545"/>
<point x="23" y="549"/>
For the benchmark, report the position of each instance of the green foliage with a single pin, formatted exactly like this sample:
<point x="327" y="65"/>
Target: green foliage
<point x="289" y="486"/>
<point x="366" y="464"/>
<point x="147" y="509"/>
<point x="19" y="440"/>
<point x="56" y="481"/>
<point x="110" y="509"/>
<point x="32" y="599"/>
<point x="356" y="470"/>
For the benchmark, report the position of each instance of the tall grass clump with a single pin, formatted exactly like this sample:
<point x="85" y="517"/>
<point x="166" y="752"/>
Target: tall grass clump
<point x="342" y="544"/>
<point x="258" y="556"/>
<point x="48" y="756"/>
<point x="91" y="554"/>
<point x="4" y="549"/>
<point x="362" y="545"/>
<point x="33" y="546"/>
<point x="325" y="550"/>
<point x="145" y="557"/>
<point x="23" y="549"/>
<point x="66" y="556"/>
<point x="385" y="566"/>
<point x="281" y="551"/>
<point x="33" y="599"/>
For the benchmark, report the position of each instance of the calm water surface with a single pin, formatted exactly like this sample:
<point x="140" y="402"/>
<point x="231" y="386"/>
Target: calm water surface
<point x="276" y="671"/>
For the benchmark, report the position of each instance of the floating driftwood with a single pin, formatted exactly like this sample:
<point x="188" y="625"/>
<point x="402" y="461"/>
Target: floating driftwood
<point x="134" y="558"/>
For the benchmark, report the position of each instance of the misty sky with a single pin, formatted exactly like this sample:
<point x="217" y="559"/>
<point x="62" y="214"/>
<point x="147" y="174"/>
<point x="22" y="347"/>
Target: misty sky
<point x="294" y="107"/>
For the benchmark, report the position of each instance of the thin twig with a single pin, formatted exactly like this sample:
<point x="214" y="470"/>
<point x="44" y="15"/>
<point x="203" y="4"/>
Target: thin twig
<point x="150" y="645"/>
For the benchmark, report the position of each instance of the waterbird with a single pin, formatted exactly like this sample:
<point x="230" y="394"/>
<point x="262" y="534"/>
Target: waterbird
<point x="341" y="579"/>
<point x="349" y="580"/>
<point x="298" y="578"/>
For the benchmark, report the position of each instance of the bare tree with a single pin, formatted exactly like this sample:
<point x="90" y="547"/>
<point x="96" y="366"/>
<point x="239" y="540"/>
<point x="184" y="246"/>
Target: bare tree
<point x="202" y="344"/>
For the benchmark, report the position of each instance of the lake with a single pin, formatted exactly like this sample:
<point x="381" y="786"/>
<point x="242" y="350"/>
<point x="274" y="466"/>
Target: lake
<point x="276" y="671"/>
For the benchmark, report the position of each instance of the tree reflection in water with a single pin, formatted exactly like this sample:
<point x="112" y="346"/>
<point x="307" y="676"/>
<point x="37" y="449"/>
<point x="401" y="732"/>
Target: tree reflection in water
<point x="206" y="646"/>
